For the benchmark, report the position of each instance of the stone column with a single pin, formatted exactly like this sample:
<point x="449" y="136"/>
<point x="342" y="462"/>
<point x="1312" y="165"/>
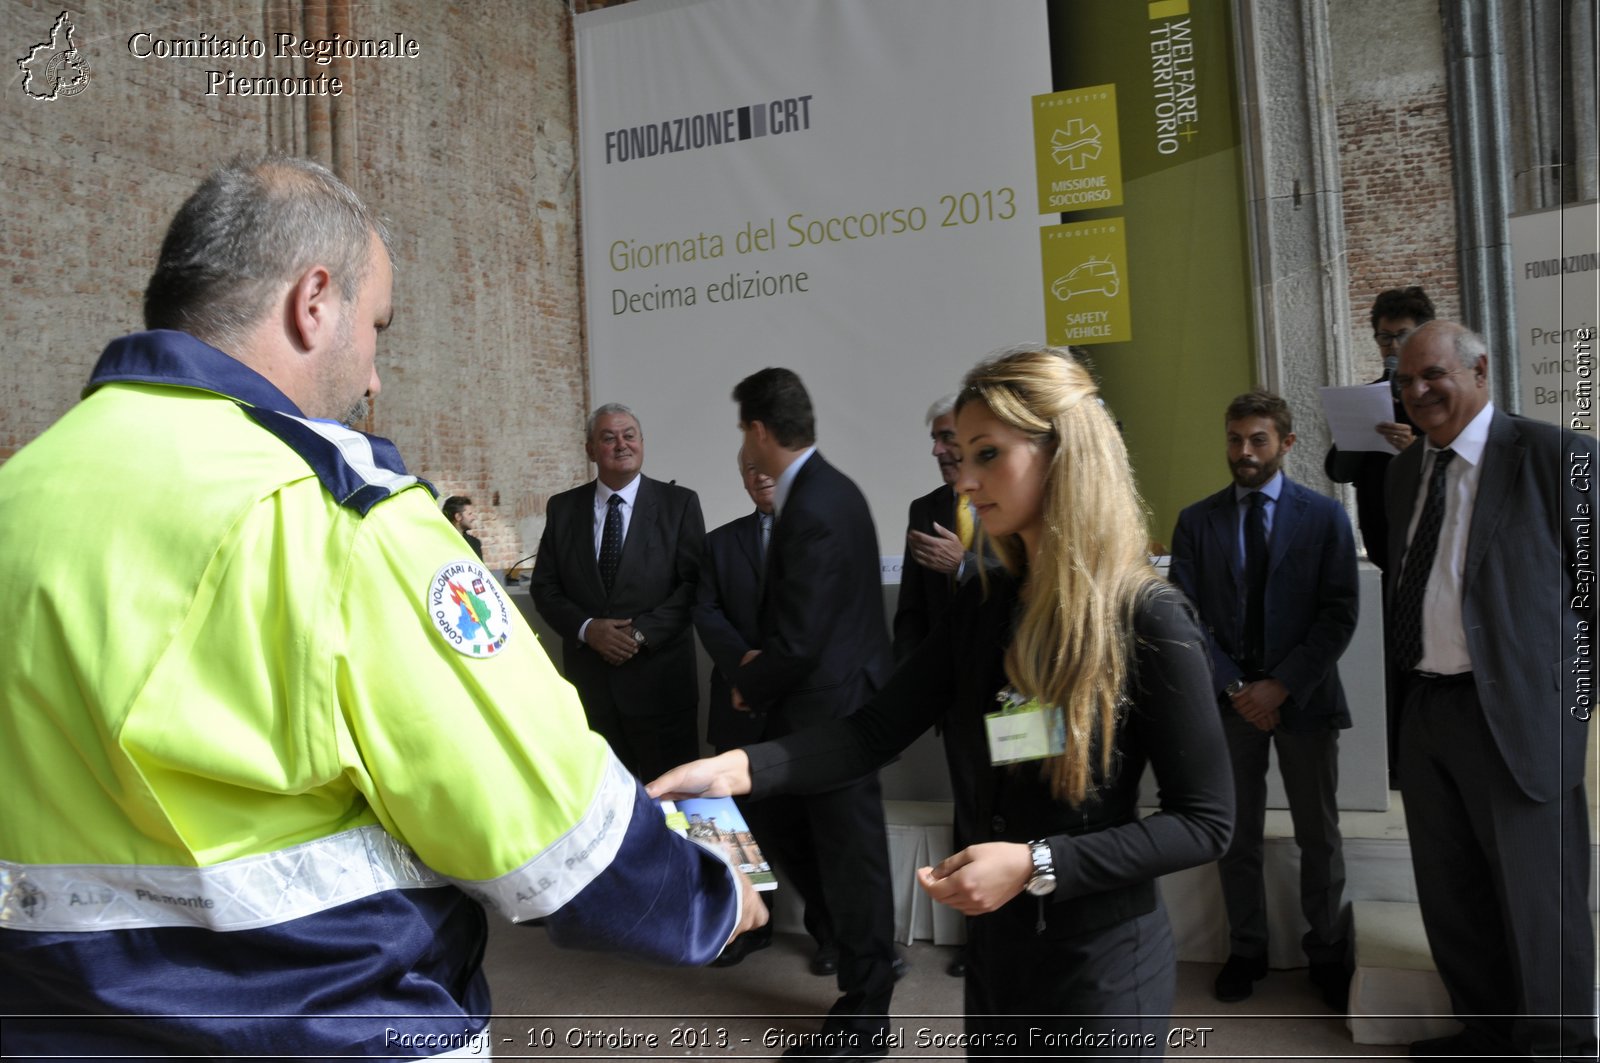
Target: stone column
<point x="1296" y="214"/>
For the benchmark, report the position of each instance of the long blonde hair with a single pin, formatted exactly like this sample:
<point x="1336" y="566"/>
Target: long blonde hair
<point x="1074" y="640"/>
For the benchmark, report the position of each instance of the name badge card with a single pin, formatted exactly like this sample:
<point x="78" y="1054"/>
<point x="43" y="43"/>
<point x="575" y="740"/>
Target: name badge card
<point x="1025" y="730"/>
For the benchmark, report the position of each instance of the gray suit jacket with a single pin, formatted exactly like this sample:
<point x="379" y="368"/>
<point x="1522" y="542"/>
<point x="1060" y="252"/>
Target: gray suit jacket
<point x="1524" y="593"/>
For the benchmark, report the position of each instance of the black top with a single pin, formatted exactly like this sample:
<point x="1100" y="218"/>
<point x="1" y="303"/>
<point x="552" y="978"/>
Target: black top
<point x="1106" y="855"/>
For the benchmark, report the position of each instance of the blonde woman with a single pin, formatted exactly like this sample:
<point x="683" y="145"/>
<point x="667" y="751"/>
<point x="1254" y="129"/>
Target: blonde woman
<point x="1063" y="676"/>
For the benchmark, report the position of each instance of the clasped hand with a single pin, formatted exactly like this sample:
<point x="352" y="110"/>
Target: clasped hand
<point x="980" y="878"/>
<point x="1260" y="701"/>
<point x="612" y="639"/>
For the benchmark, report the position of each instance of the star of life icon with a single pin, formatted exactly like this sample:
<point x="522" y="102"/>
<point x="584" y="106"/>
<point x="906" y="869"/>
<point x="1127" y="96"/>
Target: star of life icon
<point x="55" y="67"/>
<point x="1077" y="145"/>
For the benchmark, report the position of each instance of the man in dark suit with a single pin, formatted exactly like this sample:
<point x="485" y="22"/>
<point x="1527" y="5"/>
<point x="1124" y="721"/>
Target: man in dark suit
<point x="1395" y="314"/>
<point x="615" y="578"/>
<point x="938" y="554"/>
<point x="725" y="607"/>
<point x="824" y="651"/>
<point x="939" y="533"/>
<point x="1491" y="642"/>
<point x="1271" y="567"/>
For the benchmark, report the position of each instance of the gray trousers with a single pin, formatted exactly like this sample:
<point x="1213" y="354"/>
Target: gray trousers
<point x="1502" y="880"/>
<point x="1309" y="764"/>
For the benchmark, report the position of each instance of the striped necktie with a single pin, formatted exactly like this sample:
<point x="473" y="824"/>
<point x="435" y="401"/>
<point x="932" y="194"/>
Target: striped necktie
<point x="1407" y="605"/>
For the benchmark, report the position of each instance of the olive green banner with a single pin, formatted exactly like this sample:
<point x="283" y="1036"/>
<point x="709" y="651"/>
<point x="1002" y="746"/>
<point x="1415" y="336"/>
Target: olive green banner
<point x="1176" y="342"/>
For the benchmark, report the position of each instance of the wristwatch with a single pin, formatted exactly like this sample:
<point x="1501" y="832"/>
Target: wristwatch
<point x="638" y="638"/>
<point x="1044" y="869"/>
<point x="1234" y="687"/>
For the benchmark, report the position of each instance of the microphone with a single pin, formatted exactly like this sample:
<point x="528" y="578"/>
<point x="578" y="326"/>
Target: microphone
<point x="1391" y="362"/>
<point x="514" y="573"/>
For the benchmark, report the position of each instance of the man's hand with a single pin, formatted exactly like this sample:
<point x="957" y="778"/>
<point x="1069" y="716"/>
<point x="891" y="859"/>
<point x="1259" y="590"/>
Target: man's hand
<point x="738" y="699"/>
<point x="611" y="639"/>
<point x="940" y="551"/>
<point x="1260" y="701"/>
<point x="724" y="775"/>
<point x="1399" y="435"/>
<point x="980" y="878"/>
<point x="752" y="910"/>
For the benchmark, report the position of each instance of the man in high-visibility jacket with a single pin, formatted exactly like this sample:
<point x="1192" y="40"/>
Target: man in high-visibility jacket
<point x="272" y="737"/>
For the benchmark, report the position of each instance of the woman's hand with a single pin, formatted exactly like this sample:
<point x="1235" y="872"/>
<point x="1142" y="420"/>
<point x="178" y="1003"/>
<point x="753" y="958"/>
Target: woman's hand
<point x="725" y="775"/>
<point x="980" y="878"/>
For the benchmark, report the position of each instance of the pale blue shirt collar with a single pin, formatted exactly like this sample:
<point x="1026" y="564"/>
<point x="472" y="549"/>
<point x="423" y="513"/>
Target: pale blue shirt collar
<point x="1472" y="441"/>
<point x="780" y="490"/>
<point x="1272" y="489"/>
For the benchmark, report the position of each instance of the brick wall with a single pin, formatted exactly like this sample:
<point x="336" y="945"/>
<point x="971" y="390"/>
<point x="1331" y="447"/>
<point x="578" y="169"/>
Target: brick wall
<point x="1395" y="159"/>
<point x="467" y="150"/>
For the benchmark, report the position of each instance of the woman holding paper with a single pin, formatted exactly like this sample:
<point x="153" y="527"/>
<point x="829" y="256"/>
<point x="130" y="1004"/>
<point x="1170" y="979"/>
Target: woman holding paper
<point x="1062" y="677"/>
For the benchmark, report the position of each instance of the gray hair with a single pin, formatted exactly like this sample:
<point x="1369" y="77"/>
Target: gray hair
<point x="1469" y="346"/>
<point x="252" y="225"/>
<point x="610" y="407"/>
<point x="940" y="407"/>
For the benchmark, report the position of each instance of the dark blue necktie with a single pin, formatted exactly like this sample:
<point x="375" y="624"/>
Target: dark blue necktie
<point x="611" y="541"/>
<point x="1255" y="581"/>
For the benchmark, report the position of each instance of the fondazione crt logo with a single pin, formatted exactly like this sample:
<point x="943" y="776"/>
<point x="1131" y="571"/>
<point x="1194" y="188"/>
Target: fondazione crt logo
<point x="55" y="68"/>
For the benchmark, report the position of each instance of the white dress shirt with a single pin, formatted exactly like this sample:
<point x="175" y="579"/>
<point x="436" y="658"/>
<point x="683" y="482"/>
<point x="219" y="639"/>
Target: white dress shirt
<point x="602" y="502"/>
<point x="1444" y="636"/>
<point x="780" y="490"/>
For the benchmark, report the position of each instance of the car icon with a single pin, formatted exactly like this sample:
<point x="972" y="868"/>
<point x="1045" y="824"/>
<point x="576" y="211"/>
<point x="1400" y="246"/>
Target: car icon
<point x="1098" y="276"/>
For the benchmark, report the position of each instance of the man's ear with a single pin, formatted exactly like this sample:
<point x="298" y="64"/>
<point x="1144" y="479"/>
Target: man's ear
<point x="313" y="307"/>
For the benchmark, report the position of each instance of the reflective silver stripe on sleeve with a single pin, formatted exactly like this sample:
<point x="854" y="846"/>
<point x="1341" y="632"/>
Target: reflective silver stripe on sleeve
<point x="558" y="874"/>
<point x="356" y="449"/>
<point x="242" y="894"/>
<point x="272" y="888"/>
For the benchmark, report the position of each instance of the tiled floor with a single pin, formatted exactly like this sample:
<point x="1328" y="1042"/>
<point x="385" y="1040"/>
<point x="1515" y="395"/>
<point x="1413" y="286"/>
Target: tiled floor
<point x="554" y="1004"/>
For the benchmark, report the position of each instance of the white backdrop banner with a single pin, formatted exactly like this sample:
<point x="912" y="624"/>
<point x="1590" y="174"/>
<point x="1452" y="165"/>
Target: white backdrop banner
<point x="839" y="187"/>
<point x="1556" y="277"/>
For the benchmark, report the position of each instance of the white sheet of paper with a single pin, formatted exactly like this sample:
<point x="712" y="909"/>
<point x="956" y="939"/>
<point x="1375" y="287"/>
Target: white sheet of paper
<point x="1354" y="413"/>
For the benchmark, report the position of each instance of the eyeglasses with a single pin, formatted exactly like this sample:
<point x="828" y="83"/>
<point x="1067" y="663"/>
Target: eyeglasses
<point x="1386" y="339"/>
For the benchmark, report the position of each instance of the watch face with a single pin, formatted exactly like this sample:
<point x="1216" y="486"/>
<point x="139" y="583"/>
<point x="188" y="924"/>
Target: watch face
<point x="1039" y="885"/>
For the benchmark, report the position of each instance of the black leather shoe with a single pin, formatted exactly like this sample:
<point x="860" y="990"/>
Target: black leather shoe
<point x="1333" y="982"/>
<point x="958" y="965"/>
<point x="742" y="946"/>
<point x="826" y="961"/>
<point x="1237" y="979"/>
<point x="901" y="968"/>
